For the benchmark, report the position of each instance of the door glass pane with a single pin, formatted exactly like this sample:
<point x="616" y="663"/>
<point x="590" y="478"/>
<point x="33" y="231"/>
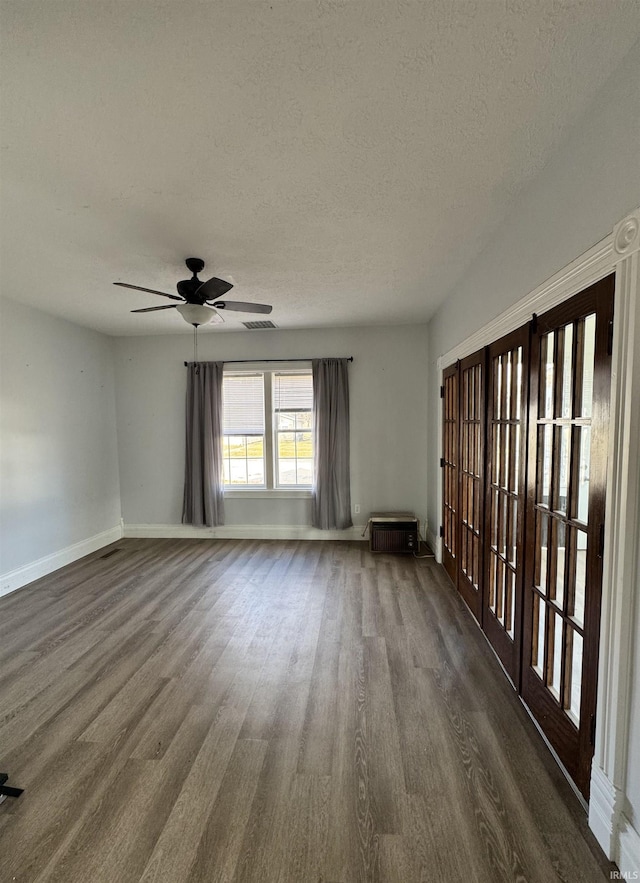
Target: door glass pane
<point x="507" y="384"/>
<point x="588" y="353"/>
<point x="558" y="549"/>
<point x="502" y="545"/>
<point x="513" y="531"/>
<point x="509" y="601"/>
<point x="581" y="577"/>
<point x="516" y="459"/>
<point x="567" y="373"/>
<point x="546" y="444"/>
<point x="555" y="655"/>
<point x="564" y="467"/>
<point x="492" y="582"/>
<point x="541" y="551"/>
<point x="495" y="501"/>
<point x="576" y="677"/>
<point x="582" y="496"/>
<point x="537" y="645"/>
<point x="519" y="379"/>
<point x="547" y="375"/>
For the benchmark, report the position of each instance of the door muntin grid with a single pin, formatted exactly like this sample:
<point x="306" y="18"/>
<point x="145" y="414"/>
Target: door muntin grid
<point x="561" y="511"/>
<point x="471" y="462"/>
<point x="505" y="484"/>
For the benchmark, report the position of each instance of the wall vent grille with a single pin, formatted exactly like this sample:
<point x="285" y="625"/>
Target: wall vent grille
<point x="255" y="326"/>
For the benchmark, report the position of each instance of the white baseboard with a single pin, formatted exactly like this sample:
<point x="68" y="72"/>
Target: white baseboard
<point x="21" y="576"/>
<point x="604" y="801"/>
<point x="629" y="851"/>
<point x="432" y="540"/>
<point x="243" y="532"/>
<point x="614" y="832"/>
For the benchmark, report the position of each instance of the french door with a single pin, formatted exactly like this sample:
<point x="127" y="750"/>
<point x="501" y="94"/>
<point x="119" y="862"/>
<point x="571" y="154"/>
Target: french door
<point x="507" y="398"/>
<point x="568" y="428"/>
<point x="463" y="472"/>
<point x="524" y="477"/>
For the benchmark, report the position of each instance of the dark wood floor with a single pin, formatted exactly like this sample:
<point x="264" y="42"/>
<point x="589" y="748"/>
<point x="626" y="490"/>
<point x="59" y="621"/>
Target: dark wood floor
<point x="190" y="710"/>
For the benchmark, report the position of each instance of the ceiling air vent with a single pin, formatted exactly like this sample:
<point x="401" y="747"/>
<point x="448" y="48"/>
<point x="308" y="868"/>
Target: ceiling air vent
<point x="254" y="326"/>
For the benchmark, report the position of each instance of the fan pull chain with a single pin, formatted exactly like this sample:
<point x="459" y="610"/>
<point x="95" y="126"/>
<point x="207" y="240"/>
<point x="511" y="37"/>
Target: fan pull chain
<point x="195" y="343"/>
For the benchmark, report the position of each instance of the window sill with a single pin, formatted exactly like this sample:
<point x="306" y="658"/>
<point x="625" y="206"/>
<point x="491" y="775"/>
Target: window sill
<point x="268" y="494"/>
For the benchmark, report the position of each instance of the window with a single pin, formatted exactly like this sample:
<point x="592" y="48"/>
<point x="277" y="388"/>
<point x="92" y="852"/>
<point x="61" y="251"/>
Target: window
<point x="268" y="429"/>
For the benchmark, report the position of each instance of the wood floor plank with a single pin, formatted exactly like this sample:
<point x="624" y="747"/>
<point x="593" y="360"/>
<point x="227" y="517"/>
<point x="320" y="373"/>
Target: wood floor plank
<point x="284" y="712"/>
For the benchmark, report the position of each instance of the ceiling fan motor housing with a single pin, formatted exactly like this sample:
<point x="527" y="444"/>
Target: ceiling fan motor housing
<point x="196" y="265"/>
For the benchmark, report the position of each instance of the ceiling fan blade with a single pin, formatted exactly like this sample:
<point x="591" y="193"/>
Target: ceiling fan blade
<point x="213" y="288"/>
<point x="152" y="309"/>
<point x="242" y="307"/>
<point x="150" y="290"/>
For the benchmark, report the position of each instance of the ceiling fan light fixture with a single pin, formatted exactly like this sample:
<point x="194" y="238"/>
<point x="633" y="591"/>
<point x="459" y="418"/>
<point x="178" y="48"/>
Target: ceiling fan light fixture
<point x="195" y="314"/>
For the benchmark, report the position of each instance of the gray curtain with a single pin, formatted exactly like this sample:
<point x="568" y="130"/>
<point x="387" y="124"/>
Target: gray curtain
<point x="203" y="484"/>
<point x="331" y="505"/>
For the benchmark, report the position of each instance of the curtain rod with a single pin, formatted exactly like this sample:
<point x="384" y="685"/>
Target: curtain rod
<point x="252" y="361"/>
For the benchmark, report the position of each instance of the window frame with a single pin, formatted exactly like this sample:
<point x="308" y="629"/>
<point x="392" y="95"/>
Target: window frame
<point x="271" y="488"/>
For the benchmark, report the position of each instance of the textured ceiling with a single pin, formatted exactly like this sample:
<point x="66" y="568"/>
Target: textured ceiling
<point x="343" y="161"/>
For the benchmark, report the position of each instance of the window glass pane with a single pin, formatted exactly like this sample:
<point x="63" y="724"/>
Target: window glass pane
<point x="286" y="445"/>
<point x="305" y="471"/>
<point x="304" y="445"/>
<point x="255" y="446"/>
<point x="237" y="446"/>
<point x="238" y="471"/>
<point x="304" y="420"/>
<point x="286" y="420"/>
<point x="255" y="471"/>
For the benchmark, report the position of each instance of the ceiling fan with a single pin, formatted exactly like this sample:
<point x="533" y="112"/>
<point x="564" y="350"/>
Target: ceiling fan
<point x="197" y="299"/>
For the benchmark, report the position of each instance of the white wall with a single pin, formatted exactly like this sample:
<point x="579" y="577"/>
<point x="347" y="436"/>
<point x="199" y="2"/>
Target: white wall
<point x="590" y="184"/>
<point x="59" y="482"/>
<point x="388" y="418"/>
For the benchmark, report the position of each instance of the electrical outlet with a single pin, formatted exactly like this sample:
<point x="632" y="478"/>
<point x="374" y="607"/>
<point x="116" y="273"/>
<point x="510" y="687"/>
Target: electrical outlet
<point x="356" y="509"/>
